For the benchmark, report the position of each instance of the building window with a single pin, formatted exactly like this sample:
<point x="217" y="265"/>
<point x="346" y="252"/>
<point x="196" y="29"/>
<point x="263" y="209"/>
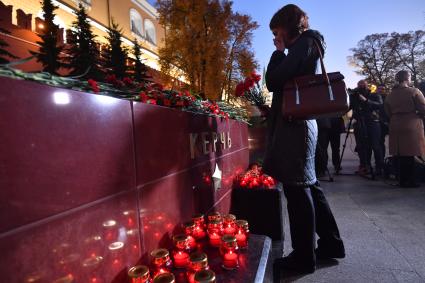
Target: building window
<point x="136" y="22"/>
<point x="150" y="32"/>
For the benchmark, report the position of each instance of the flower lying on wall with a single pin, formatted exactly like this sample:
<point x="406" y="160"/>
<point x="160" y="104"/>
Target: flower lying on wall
<point x="254" y="178"/>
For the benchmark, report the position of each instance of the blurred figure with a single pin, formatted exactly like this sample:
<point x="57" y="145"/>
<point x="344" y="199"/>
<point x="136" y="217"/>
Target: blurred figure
<point x="367" y="128"/>
<point x="330" y="130"/>
<point x="405" y="105"/>
<point x="383" y="117"/>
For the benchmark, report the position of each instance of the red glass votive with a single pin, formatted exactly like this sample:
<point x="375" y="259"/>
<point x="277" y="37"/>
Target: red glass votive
<point x="161" y="262"/>
<point x="229" y="252"/>
<point x="199" y="230"/>
<point x="189" y="228"/>
<point x="139" y="274"/>
<point x="214" y="216"/>
<point x="181" y="251"/>
<point x="204" y="276"/>
<point x="197" y="261"/>
<point x="229" y="226"/>
<point x="165" y="278"/>
<point x="242" y="233"/>
<point x="215" y="232"/>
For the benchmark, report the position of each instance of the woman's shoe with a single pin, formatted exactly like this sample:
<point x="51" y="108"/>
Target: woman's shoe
<point x="294" y="263"/>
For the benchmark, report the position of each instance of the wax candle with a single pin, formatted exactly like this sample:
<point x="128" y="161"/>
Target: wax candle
<point x="199" y="230"/>
<point x="197" y="261"/>
<point x="204" y="276"/>
<point x="229" y="252"/>
<point x="139" y="274"/>
<point x="242" y="233"/>
<point x="161" y="262"/>
<point x="181" y="251"/>
<point x="165" y="278"/>
<point x="215" y="231"/>
<point x="189" y="228"/>
<point x="229" y="224"/>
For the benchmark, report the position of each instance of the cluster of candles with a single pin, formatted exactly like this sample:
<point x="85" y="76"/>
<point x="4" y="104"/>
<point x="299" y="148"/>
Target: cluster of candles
<point x="223" y="232"/>
<point x="254" y="178"/>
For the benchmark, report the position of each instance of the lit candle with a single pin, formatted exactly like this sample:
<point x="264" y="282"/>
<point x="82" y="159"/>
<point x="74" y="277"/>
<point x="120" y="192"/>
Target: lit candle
<point x="139" y="274"/>
<point x="229" y="252"/>
<point x="197" y="261"/>
<point x="230" y="260"/>
<point x="181" y="251"/>
<point x="166" y="277"/>
<point x="229" y="224"/>
<point x="242" y="233"/>
<point x="189" y="228"/>
<point x="214" y="216"/>
<point x="215" y="239"/>
<point x="161" y="262"/>
<point x="199" y="230"/>
<point x="204" y="276"/>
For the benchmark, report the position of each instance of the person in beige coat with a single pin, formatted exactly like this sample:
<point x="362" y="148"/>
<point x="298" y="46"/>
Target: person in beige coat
<point x="405" y="107"/>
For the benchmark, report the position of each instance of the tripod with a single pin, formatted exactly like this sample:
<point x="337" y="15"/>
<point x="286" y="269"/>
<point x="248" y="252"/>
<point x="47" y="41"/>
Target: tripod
<point x="364" y="137"/>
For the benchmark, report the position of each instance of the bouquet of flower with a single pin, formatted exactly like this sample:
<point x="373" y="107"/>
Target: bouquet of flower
<point x="254" y="178"/>
<point x="250" y="90"/>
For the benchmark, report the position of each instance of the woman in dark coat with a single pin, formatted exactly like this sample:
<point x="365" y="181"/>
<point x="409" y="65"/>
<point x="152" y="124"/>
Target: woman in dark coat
<point x="291" y="146"/>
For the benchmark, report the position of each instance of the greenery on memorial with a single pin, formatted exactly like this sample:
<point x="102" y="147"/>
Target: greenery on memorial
<point x="83" y="55"/>
<point x="4" y="54"/>
<point x="140" y="71"/>
<point x="379" y="56"/>
<point x="48" y="54"/>
<point x="115" y="55"/>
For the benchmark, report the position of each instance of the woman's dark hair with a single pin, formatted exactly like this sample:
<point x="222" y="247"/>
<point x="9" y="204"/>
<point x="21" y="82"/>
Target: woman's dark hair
<point x="291" y="18"/>
<point x="402" y="76"/>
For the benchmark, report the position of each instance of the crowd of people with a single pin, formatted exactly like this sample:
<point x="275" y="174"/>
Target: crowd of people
<point x="397" y="113"/>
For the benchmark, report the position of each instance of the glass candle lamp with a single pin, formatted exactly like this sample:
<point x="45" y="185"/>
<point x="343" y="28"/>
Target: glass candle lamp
<point x="165" y="278"/>
<point x="214" y="216"/>
<point x="215" y="231"/>
<point x="229" y="252"/>
<point x="199" y="230"/>
<point x="242" y="233"/>
<point x="204" y="276"/>
<point x="197" y="261"/>
<point x="161" y="262"/>
<point x="181" y="251"/>
<point x="189" y="228"/>
<point x="229" y="225"/>
<point x="139" y="274"/>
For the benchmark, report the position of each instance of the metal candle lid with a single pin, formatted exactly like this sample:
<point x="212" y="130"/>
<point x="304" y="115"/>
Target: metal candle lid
<point x="205" y="276"/>
<point x="228" y="239"/>
<point x="138" y="271"/>
<point x="189" y="224"/>
<point x="229" y="217"/>
<point x="198" y="216"/>
<point x="180" y="239"/>
<point x="242" y="223"/>
<point x="160" y="253"/>
<point x="164" y="278"/>
<point x="199" y="257"/>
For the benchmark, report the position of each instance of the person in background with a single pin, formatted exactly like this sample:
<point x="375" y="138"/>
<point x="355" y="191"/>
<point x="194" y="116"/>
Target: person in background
<point x="330" y="130"/>
<point x="383" y="118"/>
<point x="291" y="146"/>
<point x="405" y="107"/>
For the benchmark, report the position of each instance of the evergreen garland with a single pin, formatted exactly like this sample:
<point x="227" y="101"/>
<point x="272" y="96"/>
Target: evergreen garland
<point x="140" y="69"/>
<point x="48" y="54"/>
<point x="115" y="56"/>
<point x="4" y="54"/>
<point x="83" y="53"/>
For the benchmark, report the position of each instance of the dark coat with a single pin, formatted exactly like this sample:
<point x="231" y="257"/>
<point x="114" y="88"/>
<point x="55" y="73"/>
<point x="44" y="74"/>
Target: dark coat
<point x="291" y="145"/>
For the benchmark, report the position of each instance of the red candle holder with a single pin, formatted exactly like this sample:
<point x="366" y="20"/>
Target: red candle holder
<point x="199" y="230"/>
<point x="189" y="228"/>
<point x="229" y="225"/>
<point x="229" y="252"/>
<point x="197" y="261"/>
<point x="139" y="274"/>
<point x="181" y="251"/>
<point x="214" y="216"/>
<point x="215" y="232"/>
<point x="165" y="278"/>
<point x="204" y="276"/>
<point x="161" y="262"/>
<point x="242" y="233"/>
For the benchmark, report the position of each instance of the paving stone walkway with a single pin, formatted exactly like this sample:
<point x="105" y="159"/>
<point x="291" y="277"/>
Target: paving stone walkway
<point x="383" y="228"/>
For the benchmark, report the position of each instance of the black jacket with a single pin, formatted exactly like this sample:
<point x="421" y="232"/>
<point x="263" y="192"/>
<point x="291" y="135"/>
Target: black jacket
<point x="368" y="110"/>
<point x="291" y="146"/>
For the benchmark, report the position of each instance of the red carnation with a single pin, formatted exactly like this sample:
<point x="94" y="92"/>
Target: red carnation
<point x="143" y="96"/>
<point x="167" y="102"/>
<point x="256" y="77"/>
<point x="151" y="101"/>
<point x="93" y="84"/>
<point x="127" y="81"/>
<point x="249" y="83"/>
<point x="240" y="89"/>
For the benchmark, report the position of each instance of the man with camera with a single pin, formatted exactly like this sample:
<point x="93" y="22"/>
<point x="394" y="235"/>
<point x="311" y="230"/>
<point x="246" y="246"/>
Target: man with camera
<point x="366" y="107"/>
